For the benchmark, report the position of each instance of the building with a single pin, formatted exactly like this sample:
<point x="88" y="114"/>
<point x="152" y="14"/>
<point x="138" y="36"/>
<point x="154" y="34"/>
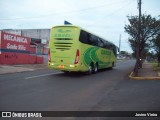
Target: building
<point x="17" y="49"/>
<point x="39" y="38"/>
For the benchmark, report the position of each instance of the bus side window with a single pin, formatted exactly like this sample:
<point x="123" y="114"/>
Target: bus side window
<point x="113" y="48"/>
<point x="107" y="45"/>
<point x="92" y="40"/>
<point x="84" y="37"/>
<point x="100" y="43"/>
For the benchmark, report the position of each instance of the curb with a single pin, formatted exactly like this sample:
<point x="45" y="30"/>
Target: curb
<point x="143" y="78"/>
<point x="6" y="69"/>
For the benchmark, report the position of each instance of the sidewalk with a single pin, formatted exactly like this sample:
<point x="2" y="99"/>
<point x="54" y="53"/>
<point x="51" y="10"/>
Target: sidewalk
<point x="6" y="69"/>
<point x="146" y="73"/>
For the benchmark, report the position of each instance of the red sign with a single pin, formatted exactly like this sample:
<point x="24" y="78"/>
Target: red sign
<point x="14" y="42"/>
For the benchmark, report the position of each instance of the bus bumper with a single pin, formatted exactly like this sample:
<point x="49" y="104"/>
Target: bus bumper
<point x="67" y="67"/>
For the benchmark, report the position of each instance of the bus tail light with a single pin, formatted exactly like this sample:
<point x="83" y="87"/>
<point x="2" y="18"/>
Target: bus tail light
<point x="77" y="57"/>
<point x="49" y="56"/>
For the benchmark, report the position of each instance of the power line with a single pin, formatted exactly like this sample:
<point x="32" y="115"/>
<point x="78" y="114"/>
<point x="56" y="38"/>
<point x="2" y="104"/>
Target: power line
<point x="116" y="11"/>
<point x="61" y="13"/>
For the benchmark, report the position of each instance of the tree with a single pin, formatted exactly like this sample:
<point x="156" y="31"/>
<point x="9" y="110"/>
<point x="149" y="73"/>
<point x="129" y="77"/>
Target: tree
<point x="123" y="52"/>
<point x="156" y="46"/>
<point x="149" y="28"/>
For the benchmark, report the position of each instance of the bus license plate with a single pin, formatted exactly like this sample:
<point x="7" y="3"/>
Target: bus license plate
<point x="61" y="66"/>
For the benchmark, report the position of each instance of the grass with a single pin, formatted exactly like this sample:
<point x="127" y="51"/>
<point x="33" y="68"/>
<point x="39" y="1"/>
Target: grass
<point x="155" y="66"/>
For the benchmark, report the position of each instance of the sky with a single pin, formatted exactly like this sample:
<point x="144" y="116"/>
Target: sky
<point x="105" y="18"/>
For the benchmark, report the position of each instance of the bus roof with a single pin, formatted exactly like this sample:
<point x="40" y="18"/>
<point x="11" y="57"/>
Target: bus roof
<point x="84" y="30"/>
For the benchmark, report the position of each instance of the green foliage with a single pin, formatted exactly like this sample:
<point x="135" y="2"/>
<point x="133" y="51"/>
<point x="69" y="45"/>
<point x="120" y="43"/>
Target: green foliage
<point x="150" y="27"/>
<point x="156" y="46"/>
<point x="123" y="52"/>
<point x="155" y="66"/>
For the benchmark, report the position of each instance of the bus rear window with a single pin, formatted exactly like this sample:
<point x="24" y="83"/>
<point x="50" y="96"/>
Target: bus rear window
<point x="64" y="33"/>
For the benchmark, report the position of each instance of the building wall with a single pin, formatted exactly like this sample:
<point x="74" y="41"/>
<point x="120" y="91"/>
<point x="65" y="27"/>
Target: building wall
<point x="32" y="33"/>
<point x="36" y="33"/>
<point x="42" y="34"/>
<point x="15" y="49"/>
<point x="16" y="32"/>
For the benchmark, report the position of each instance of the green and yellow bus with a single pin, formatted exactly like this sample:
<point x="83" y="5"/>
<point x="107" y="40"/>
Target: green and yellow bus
<point x="73" y="49"/>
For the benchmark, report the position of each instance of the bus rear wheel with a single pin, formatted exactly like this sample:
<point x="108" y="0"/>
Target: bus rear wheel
<point x="112" y="65"/>
<point x="96" y="68"/>
<point x="91" y="69"/>
<point x="66" y="72"/>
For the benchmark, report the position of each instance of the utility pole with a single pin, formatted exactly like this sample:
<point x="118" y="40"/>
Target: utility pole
<point x="119" y="43"/>
<point x="138" y="41"/>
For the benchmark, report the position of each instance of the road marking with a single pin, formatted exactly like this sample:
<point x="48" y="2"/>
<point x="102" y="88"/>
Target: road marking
<point x="42" y="75"/>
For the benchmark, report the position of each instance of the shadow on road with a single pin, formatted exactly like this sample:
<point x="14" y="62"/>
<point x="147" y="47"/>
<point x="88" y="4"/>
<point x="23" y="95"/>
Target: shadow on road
<point x="81" y="74"/>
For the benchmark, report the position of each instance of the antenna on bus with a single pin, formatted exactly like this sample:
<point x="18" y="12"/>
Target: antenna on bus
<point x="67" y="23"/>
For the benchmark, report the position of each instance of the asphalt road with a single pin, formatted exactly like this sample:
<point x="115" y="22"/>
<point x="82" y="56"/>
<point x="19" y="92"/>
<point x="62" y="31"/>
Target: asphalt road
<point x="108" y="90"/>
